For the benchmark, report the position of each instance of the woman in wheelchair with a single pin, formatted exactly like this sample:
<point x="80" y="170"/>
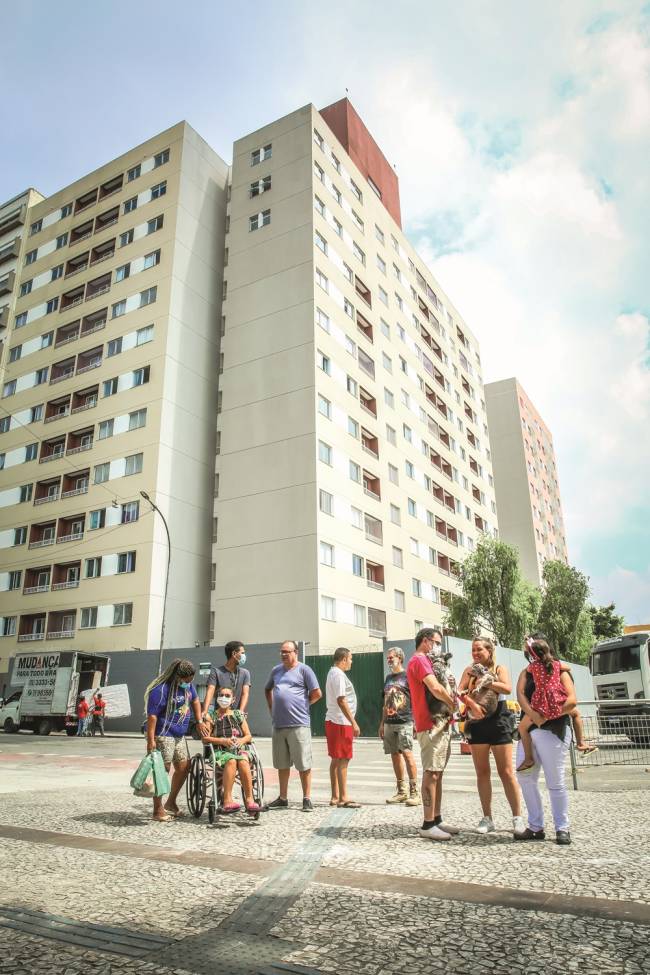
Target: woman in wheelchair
<point x="230" y="737"/>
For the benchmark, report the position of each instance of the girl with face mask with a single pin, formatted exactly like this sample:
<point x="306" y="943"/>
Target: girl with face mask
<point x="230" y="737"/>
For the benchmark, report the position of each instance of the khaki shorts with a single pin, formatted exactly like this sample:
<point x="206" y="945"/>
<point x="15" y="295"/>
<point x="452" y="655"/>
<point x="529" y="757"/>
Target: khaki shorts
<point x="435" y="749"/>
<point x="398" y="738"/>
<point x="173" y="750"/>
<point x="292" y="746"/>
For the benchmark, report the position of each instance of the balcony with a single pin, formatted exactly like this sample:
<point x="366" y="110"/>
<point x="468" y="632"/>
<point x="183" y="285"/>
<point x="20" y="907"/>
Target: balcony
<point x="111" y="186"/>
<point x="71" y="584"/>
<point x="64" y="369"/>
<point x="75" y="492"/>
<point x="368" y="402"/>
<point x="77" y="264"/>
<point x="67" y="333"/>
<point x="72" y="298"/>
<point x="364" y="326"/>
<point x="14" y="218"/>
<point x="369" y="443"/>
<point x="10" y="251"/>
<point x="30" y="590"/>
<point x="85" y="399"/>
<point x="42" y="542"/>
<point x="373" y="529"/>
<point x="66" y="575"/>
<point x="28" y="637"/>
<point x="371" y="486"/>
<point x="363" y="291"/>
<point x="56" y="409"/>
<point x="107" y="219"/>
<point x="98" y="286"/>
<point x="89" y="360"/>
<point x="4" y="316"/>
<point x="47" y="491"/>
<point x="366" y="363"/>
<point x="376" y="622"/>
<point x="53" y="454"/>
<point x="74" y="536"/>
<point x="87" y="200"/>
<point x="103" y="252"/>
<point x="82" y="232"/>
<point x="375" y="575"/>
<point x="79" y="448"/>
<point x="7" y="283"/>
<point x="60" y="634"/>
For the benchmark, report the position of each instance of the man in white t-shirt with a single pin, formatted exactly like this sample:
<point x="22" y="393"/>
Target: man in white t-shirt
<point x="340" y="726"/>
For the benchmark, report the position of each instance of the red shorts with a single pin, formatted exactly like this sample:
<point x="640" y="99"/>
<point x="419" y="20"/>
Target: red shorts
<point x="339" y="739"/>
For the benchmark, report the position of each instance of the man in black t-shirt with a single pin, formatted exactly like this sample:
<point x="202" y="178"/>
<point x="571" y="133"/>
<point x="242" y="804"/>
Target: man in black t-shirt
<point x="396" y="729"/>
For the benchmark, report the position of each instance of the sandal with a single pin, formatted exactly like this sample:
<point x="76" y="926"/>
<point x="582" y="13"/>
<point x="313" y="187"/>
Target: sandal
<point x="252" y="807"/>
<point x="231" y="807"/>
<point x="162" y="819"/>
<point x="334" y="802"/>
<point x="587" y="750"/>
<point x="350" y="804"/>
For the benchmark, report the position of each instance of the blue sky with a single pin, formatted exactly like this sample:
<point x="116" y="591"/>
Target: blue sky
<point x="521" y="136"/>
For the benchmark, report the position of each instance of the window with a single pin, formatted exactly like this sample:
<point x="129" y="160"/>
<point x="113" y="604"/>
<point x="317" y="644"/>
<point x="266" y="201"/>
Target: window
<point x="336" y="193"/>
<point x="259" y="155"/>
<point x="2" y="461"/>
<point x="319" y="173"/>
<point x="110" y="387"/>
<point x="318" y="139"/>
<point x="150" y="260"/>
<point x="144" y="335"/>
<point x="398" y="558"/>
<point x="14" y="354"/>
<point x="130" y="512"/>
<point x="133" y="173"/>
<point x="4" y="423"/>
<point x="126" y="237"/>
<point x="40" y="376"/>
<point x="416" y="587"/>
<point x="61" y="240"/>
<point x="7" y="626"/>
<point x="51" y="306"/>
<point x="356" y="191"/>
<point x="321" y="280"/>
<point x="357" y="219"/>
<point x="118" y="309"/>
<point x="326" y="554"/>
<point x="148" y="297"/>
<point x="260" y="186"/>
<point x="137" y="419"/>
<point x="353" y="428"/>
<point x="258" y="220"/>
<point x="159" y="190"/>
<point x="320" y="242"/>
<point x="21" y="319"/>
<point x="357" y="565"/>
<point x="415" y="547"/>
<point x="101" y="473"/>
<point x="391" y="435"/>
<point x="114" y="347"/>
<point x="122" y="614"/>
<point x="31" y="450"/>
<point x="325" y="502"/>
<point x="393" y="474"/>
<point x="126" y="562"/>
<point x="322" y="319"/>
<point x="130" y="205"/>
<point x="105" y="430"/>
<point x="26" y="492"/>
<point x="155" y="224"/>
<point x="9" y="388"/>
<point x="352" y="386"/>
<point x="348" y="308"/>
<point x="122" y="273"/>
<point x="93" y="568"/>
<point x="358" y="253"/>
<point x="57" y="272"/>
<point x="407" y="433"/>
<point x="133" y="464"/>
<point x="25" y="288"/>
<point x="66" y="210"/>
<point x="381" y="264"/>
<point x="349" y="273"/>
<point x="356" y="517"/>
<point x="383" y="295"/>
<point x="395" y="515"/>
<point x="389" y="399"/>
<point x="161" y="158"/>
<point x="410" y="470"/>
<point x="31" y="256"/>
<point x="324" y="453"/>
<point x="47" y="339"/>
<point x="319" y="206"/>
<point x="20" y="535"/>
<point x="324" y="407"/>
<point x="97" y="519"/>
<point x="412" y="507"/>
<point x="355" y="472"/>
<point x="35" y="227"/>
<point x="387" y="362"/>
<point x="88" y="618"/>
<point x="338" y="226"/>
<point x="400" y="601"/>
<point x="324" y="362"/>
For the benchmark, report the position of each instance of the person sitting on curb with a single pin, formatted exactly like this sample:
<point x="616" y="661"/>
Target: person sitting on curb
<point x="396" y="729"/>
<point x="340" y="727"/>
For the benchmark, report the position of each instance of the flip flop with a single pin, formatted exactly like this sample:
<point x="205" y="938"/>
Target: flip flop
<point x="334" y="802"/>
<point x="349" y="805"/>
<point x="231" y="807"/>
<point x="589" y="750"/>
<point x="163" y="819"/>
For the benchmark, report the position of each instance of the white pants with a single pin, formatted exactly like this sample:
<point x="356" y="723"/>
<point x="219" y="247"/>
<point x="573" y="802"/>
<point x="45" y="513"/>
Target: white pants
<point x="550" y="752"/>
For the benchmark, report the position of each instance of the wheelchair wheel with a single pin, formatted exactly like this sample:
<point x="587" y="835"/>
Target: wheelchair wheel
<point x="195" y="787"/>
<point x="257" y="773"/>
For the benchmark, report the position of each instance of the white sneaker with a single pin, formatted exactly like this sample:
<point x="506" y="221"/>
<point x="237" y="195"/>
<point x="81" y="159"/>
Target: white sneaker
<point x="486" y="825"/>
<point x="518" y="825"/>
<point x="434" y="833"/>
<point x="452" y="830"/>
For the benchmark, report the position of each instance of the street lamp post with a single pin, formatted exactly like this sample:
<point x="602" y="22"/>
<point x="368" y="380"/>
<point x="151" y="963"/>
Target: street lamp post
<point x="169" y="560"/>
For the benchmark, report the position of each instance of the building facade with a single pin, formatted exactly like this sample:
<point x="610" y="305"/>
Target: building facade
<point x="13" y="215"/>
<point x="525" y="478"/>
<point x="109" y="389"/>
<point x="353" y="470"/>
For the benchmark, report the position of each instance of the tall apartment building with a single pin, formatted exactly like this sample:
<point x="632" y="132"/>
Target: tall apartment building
<point x="525" y="478"/>
<point x="13" y="215"/>
<point x="109" y="389"/>
<point x="353" y="470"/>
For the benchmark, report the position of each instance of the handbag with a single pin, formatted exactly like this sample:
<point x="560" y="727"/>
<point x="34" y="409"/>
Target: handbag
<point x="161" y="784"/>
<point x="151" y="766"/>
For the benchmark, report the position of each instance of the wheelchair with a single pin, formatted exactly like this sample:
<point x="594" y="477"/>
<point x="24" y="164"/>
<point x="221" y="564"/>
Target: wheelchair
<point x="204" y="785"/>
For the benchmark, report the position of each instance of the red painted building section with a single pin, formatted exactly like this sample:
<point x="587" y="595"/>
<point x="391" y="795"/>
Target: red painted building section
<point x="365" y="153"/>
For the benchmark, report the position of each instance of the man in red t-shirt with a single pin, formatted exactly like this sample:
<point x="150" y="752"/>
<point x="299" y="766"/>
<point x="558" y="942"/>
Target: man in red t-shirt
<point x="99" y="710"/>
<point x="82" y="715"/>
<point x="434" y="740"/>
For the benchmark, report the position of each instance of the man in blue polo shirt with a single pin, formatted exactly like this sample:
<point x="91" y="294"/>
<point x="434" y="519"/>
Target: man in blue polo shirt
<point x="290" y="691"/>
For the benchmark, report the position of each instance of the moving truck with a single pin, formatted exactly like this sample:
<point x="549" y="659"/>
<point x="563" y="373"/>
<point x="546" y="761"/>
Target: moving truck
<point x="44" y="688"/>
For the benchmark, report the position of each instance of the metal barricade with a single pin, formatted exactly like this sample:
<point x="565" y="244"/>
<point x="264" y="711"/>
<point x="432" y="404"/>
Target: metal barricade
<point x="615" y="734"/>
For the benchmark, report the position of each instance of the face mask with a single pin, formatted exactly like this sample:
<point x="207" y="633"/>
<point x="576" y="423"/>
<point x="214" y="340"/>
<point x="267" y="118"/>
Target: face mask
<point x="242" y="659"/>
<point x="224" y="702"/>
<point x="184" y="685"/>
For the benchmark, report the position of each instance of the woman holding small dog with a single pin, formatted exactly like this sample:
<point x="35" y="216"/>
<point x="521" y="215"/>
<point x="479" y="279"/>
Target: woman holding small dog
<point x="490" y="732"/>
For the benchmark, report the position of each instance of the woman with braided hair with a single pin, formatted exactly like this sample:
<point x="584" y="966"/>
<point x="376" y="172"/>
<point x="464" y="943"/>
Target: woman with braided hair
<point x="168" y="701"/>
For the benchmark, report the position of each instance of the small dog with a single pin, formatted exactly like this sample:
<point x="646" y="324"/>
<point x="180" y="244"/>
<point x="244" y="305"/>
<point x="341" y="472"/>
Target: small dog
<point x="482" y="694"/>
<point x="440" y="713"/>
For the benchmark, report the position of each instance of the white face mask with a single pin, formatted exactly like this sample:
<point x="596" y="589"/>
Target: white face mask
<point x="224" y="702"/>
<point x="242" y="659"/>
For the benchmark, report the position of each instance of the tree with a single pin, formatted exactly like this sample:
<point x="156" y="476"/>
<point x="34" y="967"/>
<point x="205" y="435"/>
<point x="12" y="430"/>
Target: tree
<point x="563" y="615"/>
<point x="493" y="596"/>
<point x="606" y="623"/>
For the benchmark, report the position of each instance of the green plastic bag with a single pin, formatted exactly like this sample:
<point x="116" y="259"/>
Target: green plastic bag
<point x="152" y="766"/>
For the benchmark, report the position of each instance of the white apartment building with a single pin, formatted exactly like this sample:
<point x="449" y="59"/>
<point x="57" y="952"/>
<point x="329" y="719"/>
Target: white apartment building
<point x="353" y="469"/>
<point x="525" y="478"/>
<point x="109" y="389"/>
<point x="13" y="215"/>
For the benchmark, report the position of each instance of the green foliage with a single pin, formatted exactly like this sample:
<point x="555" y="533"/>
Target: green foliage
<point x="563" y="615"/>
<point x="494" y="596"/>
<point x="606" y="623"/>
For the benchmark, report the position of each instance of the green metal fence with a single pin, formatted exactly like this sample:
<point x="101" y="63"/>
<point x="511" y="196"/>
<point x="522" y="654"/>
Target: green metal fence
<point x="367" y="675"/>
